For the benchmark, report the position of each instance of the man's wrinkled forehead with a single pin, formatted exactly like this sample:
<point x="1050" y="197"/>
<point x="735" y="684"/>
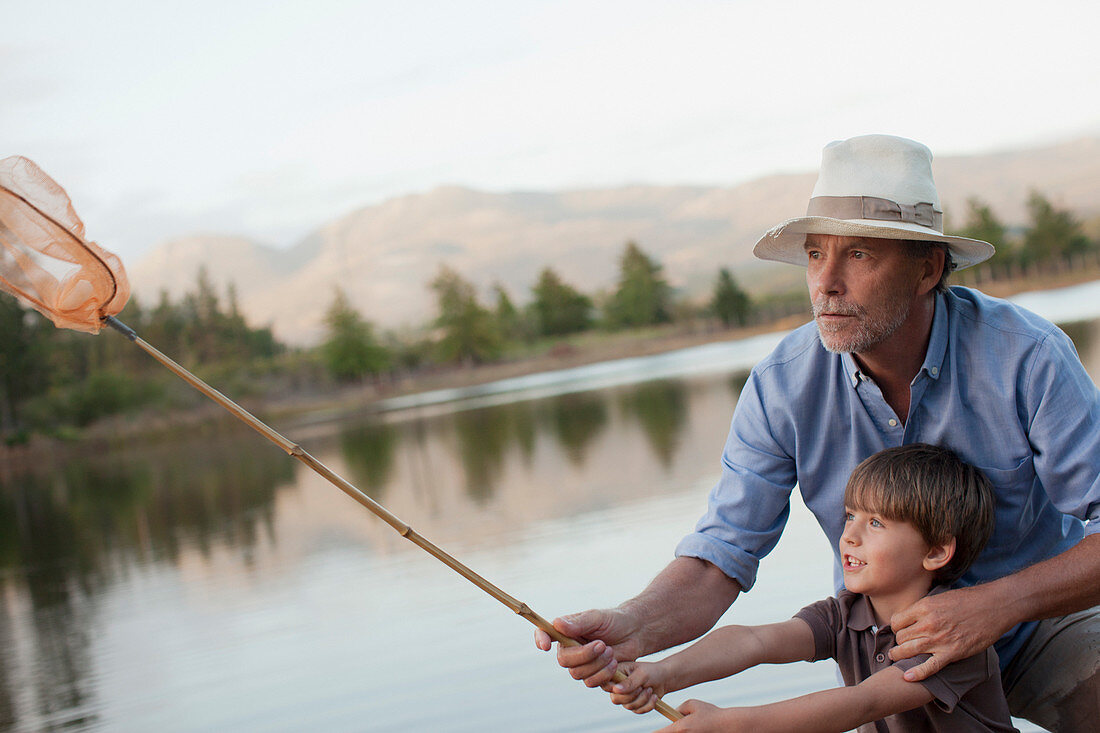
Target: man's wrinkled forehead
<point x="818" y="240"/>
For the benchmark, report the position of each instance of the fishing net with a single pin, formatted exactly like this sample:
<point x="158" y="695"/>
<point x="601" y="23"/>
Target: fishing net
<point x="45" y="260"/>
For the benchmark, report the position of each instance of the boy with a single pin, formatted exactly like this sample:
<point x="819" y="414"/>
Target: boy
<point x="916" y="517"/>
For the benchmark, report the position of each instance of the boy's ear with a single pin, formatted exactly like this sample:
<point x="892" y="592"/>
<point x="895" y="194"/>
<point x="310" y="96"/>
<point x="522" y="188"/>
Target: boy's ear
<point x="939" y="555"/>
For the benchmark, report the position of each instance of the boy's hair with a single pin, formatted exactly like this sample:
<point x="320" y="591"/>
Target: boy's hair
<point x="932" y="489"/>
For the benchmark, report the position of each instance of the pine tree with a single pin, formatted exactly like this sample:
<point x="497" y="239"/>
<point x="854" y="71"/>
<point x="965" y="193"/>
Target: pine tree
<point x="470" y="332"/>
<point x="729" y="302"/>
<point x="559" y="308"/>
<point x="983" y="224"/>
<point x="1053" y="232"/>
<point x="511" y="324"/>
<point x="642" y="297"/>
<point x="350" y="350"/>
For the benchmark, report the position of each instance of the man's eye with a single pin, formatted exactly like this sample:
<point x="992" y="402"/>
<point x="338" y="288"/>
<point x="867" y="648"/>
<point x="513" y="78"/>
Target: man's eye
<point x="814" y="255"/>
<point x="858" y="255"/>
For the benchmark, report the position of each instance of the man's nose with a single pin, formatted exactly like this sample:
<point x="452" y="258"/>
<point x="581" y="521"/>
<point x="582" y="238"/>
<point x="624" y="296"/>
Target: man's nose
<point x="827" y="276"/>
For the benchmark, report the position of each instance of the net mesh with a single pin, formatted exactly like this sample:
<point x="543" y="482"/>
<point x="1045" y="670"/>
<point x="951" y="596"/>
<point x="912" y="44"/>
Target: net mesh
<point x="45" y="260"/>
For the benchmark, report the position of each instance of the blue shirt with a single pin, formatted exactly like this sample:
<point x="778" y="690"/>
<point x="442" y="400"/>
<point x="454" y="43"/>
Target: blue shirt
<point x="999" y="385"/>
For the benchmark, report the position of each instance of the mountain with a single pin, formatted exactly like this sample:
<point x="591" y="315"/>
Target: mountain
<point x="384" y="255"/>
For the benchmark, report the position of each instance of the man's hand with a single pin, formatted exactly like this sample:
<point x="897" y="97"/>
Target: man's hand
<point x="950" y="626"/>
<point x="682" y="602"/>
<point x="611" y="635"/>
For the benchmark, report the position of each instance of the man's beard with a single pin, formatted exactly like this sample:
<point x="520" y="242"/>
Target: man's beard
<point x="868" y="330"/>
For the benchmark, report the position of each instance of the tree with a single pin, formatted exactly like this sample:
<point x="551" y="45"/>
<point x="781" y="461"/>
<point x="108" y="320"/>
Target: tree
<point x="166" y="325"/>
<point x="469" y="330"/>
<point x="24" y="360"/>
<point x="559" y="308"/>
<point x="511" y="324"/>
<point x="983" y="224"/>
<point x="729" y="302"/>
<point x="1053" y="232"/>
<point x="642" y="297"/>
<point x="350" y="350"/>
<point x="202" y="311"/>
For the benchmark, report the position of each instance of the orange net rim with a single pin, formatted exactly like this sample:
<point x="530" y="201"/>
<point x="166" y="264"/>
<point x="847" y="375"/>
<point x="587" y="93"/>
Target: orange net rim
<point x="80" y="241"/>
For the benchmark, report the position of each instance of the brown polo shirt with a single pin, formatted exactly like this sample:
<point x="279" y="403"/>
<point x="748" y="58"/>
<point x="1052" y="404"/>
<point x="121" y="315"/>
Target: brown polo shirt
<point x="967" y="695"/>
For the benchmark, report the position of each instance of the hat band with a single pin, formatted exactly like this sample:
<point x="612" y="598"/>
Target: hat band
<point x="872" y="207"/>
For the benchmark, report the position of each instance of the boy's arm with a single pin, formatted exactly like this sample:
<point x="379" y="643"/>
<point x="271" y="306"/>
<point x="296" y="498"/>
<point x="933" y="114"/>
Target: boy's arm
<point x="731" y="649"/>
<point x="721" y="653"/>
<point x="829" y="711"/>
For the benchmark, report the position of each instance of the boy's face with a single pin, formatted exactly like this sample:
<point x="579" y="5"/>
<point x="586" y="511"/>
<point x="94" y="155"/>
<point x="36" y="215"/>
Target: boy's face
<point x="882" y="557"/>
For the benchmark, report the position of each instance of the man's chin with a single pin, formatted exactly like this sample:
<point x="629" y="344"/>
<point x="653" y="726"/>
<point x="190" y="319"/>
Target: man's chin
<point x="835" y="343"/>
<point x="836" y="348"/>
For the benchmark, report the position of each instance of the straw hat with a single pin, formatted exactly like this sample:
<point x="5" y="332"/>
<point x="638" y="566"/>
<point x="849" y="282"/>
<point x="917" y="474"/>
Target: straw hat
<point x="872" y="186"/>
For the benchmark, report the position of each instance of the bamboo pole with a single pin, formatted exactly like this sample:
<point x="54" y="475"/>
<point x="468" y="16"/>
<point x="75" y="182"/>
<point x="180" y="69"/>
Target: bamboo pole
<point x="296" y="451"/>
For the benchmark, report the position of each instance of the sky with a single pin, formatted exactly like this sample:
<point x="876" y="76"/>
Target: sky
<point x="267" y="119"/>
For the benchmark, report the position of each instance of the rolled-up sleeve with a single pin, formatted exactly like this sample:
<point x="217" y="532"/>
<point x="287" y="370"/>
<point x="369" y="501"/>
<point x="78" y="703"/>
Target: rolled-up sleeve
<point x="1064" y="429"/>
<point x="748" y="508"/>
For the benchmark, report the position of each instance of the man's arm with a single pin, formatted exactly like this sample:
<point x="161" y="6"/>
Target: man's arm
<point x="829" y="711"/>
<point x="960" y="623"/>
<point x="680" y="604"/>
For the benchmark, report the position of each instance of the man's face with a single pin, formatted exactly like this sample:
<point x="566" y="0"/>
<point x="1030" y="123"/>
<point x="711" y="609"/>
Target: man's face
<point x="862" y="289"/>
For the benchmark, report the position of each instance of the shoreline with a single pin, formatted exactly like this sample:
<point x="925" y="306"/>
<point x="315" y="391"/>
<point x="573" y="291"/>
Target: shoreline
<point x="316" y="407"/>
<point x="593" y="348"/>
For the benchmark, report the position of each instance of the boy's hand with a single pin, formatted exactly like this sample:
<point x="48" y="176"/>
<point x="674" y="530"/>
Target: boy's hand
<point x="701" y="716"/>
<point x="643" y="686"/>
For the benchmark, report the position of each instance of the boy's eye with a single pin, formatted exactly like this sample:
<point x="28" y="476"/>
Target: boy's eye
<point x="876" y="523"/>
<point x="848" y="516"/>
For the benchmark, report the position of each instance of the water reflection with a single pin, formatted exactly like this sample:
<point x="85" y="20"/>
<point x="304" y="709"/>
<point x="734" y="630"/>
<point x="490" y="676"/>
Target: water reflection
<point x="660" y="409"/>
<point x="69" y="532"/>
<point x="77" y="533"/>
<point x="576" y="420"/>
<point x="369" y="451"/>
<point x="65" y="521"/>
<point x="484" y="437"/>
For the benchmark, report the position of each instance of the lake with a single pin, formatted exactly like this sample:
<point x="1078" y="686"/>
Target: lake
<point x="214" y="583"/>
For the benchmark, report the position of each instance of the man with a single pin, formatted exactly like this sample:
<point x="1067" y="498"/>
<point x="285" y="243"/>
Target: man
<point x="895" y="357"/>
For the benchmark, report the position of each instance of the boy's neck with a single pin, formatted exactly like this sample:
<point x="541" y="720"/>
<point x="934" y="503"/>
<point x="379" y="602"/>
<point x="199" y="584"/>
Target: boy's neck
<point x="884" y="606"/>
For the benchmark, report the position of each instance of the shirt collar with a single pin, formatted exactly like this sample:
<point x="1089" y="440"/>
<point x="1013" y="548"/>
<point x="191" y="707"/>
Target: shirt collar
<point x="933" y="357"/>
<point x="851" y="368"/>
<point x="862" y="617"/>
<point x="937" y="341"/>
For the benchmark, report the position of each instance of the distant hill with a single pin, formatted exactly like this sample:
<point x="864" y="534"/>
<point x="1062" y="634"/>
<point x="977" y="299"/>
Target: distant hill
<point x="384" y="255"/>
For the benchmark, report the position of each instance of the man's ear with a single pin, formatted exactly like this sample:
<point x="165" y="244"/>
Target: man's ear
<point x="939" y="555"/>
<point x="932" y="270"/>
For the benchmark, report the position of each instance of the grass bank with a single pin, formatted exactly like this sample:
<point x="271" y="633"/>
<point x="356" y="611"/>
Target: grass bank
<point x="295" y="406"/>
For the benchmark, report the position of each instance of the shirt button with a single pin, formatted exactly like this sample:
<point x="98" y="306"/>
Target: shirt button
<point x="880" y="658"/>
<point x="893" y="423"/>
<point x="935" y="371"/>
